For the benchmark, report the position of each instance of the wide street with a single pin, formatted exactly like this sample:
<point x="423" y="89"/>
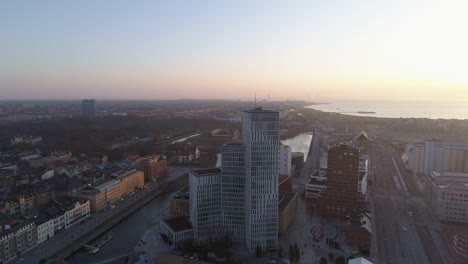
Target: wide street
<point x="395" y="237"/>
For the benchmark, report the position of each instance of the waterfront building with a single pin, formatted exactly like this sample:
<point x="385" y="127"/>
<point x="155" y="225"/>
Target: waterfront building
<point x="121" y="183"/>
<point x="180" y="205"/>
<point x="24" y="203"/>
<point x="284" y="160"/>
<point x="76" y="210"/>
<point x="233" y="189"/>
<point x="154" y="167"/>
<point x="178" y="230"/>
<point x="45" y="227"/>
<point x="261" y="138"/>
<point x="17" y="239"/>
<point x="205" y="204"/>
<point x="343" y="198"/>
<point x="87" y="107"/>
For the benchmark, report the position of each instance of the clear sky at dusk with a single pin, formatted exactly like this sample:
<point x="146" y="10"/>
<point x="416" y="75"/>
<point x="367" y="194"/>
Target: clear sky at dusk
<point x="413" y="49"/>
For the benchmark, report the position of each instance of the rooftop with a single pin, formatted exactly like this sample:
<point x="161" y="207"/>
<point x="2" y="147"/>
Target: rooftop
<point x="206" y="172"/>
<point x="107" y="184"/>
<point x="178" y="224"/>
<point x="320" y="173"/>
<point x="260" y="110"/>
<point x="314" y="181"/>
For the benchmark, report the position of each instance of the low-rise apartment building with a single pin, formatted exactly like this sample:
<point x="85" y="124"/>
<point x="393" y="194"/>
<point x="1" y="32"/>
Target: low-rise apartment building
<point x="17" y="239"/>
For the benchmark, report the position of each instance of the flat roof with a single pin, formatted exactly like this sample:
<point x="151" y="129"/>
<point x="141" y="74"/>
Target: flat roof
<point x="178" y="224"/>
<point x="107" y="184"/>
<point x="206" y="172"/>
<point x="260" y="110"/>
<point x="316" y="182"/>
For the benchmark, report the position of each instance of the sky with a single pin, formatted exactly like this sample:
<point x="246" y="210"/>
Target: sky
<point x="314" y="50"/>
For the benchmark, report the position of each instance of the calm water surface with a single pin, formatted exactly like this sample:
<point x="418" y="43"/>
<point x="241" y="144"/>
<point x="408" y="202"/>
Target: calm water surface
<point x="397" y="109"/>
<point x="299" y="143"/>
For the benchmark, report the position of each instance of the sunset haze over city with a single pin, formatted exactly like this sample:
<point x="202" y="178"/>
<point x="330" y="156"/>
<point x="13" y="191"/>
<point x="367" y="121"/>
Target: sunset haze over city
<point x="378" y="50"/>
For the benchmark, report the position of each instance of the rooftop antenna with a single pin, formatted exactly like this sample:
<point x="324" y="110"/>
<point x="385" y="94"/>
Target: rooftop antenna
<point x="255" y="99"/>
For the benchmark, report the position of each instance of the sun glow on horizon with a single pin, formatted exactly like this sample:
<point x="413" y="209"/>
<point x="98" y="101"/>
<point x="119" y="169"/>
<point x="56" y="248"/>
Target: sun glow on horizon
<point x="306" y="49"/>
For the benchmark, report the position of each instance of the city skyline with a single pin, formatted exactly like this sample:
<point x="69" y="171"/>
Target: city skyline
<point x="227" y="50"/>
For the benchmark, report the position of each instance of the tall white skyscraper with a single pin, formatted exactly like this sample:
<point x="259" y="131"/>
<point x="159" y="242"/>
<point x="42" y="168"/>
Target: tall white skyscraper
<point x="261" y="139"/>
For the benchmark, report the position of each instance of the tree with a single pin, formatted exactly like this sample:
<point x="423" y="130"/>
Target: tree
<point x="296" y="252"/>
<point x="340" y="260"/>
<point x="331" y="256"/>
<point x="323" y="260"/>
<point x="258" y="251"/>
<point x="291" y="252"/>
<point x="280" y="252"/>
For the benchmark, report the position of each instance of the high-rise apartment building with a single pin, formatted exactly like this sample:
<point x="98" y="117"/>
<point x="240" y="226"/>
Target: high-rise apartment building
<point x="233" y="189"/>
<point x="87" y="107"/>
<point x="261" y="139"/>
<point x="344" y="198"/>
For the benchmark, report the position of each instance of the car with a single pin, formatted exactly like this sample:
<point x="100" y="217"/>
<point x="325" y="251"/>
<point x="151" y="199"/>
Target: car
<point x="272" y="261"/>
<point x="405" y="229"/>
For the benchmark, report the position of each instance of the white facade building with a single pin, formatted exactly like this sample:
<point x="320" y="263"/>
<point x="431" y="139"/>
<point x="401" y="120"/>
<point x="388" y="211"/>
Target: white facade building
<point x="80" y="211"/>
<point x="45" y="230"/>
<point x="433" y="155"/>
<point x="261" y="139"/>
<point x="205" y="204"/>
<point x="178" y="230"/>
<point x="284" y="160"/>
<point x="449" y="201"/>
<point x="316" y="185"/>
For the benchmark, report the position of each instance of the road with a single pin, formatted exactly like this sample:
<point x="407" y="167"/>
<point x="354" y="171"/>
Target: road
<point x="395" y="235"/>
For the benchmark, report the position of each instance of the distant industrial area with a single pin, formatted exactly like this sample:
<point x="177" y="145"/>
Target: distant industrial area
<point x="219" y="181"/>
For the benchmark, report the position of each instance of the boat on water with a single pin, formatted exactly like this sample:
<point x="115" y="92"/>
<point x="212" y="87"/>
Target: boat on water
<point x="366" y="112"/>
<point x="102" y="243"/>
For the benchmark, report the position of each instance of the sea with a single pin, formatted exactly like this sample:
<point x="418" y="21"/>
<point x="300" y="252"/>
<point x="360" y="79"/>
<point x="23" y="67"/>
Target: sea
<point x="397" y="109"/>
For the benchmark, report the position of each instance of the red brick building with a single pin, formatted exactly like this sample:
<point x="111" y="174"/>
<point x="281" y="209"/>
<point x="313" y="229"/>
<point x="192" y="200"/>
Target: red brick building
<point x="342" y="198"/>
<point x="154" y="167"/>
<point x="285" y="184"/>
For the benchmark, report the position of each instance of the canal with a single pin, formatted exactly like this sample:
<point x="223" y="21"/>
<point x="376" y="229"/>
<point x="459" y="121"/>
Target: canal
<point x="299" y="143"/>
<point x="127" y="233"/>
